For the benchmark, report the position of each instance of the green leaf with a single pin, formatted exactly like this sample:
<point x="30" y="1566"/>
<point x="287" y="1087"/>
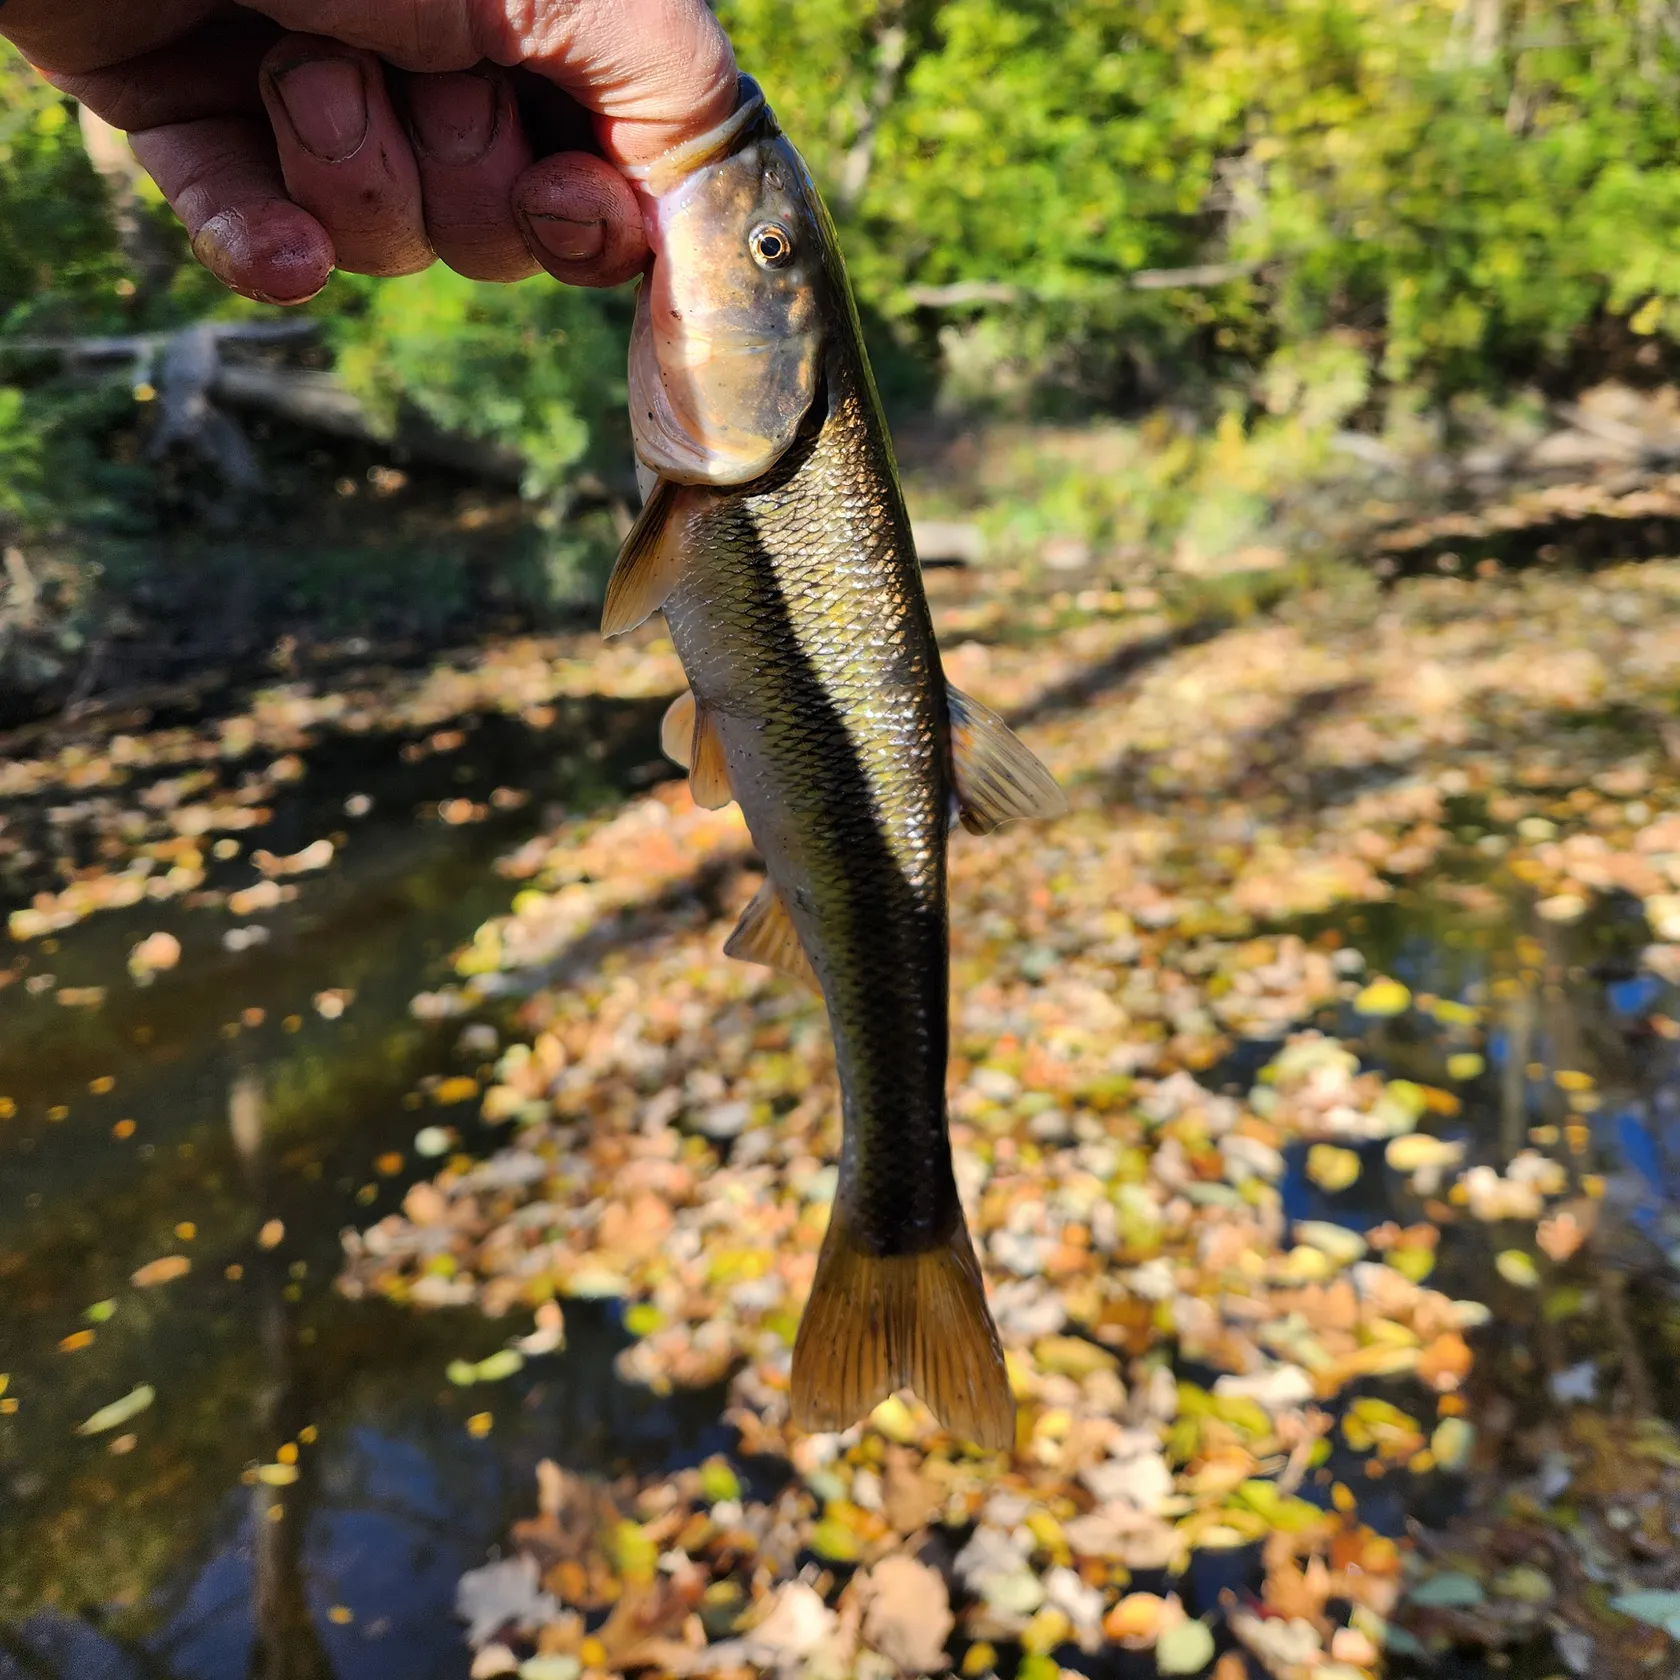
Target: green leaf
<point x="1452" y="1589"/>
<point x="500" y="1365"/>
<point x="120" y="1411"/>
<point x="1185" y="1649"/>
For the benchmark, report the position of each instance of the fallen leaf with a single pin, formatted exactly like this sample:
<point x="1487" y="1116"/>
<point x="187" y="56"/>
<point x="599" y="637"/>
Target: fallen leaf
<point x="1452" y="1589"/>
<point x="500" y="1595"/>
<point x="1332" y="1169"/>
<point x="120" y="1411"/>
<point x="1383" y="998"/>
<point x="1185" y="1649"/>
<point x="907" y="1614"/>
<point x="1656" y="1607"/>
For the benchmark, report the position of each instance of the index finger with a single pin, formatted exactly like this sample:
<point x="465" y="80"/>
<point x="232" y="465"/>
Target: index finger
<point x="654" y="73"/>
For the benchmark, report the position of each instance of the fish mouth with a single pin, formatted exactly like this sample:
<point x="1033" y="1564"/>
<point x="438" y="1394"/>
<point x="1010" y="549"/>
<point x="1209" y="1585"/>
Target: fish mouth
<point x="751" y="120"/>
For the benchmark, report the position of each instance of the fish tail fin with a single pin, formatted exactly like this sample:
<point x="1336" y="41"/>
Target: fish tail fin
<point x="878" y="1323"/>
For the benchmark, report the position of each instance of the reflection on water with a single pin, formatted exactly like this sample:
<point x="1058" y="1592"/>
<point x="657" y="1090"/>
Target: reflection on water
<point x="166" y="1549"/>
<point x="154" y="1550"/>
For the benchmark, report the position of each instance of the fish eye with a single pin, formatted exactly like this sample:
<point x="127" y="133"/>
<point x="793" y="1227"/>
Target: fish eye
<point x="771" y="245"/>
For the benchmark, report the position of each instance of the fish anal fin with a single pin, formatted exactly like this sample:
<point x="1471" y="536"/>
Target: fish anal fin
<point x="708" y="764"/>
<point x="766" y="934"/>
<point x="648" y="564"/>
<point x="676" y="732"/>
<point x="998" y="778"/>
<point x="878" y="1323"/>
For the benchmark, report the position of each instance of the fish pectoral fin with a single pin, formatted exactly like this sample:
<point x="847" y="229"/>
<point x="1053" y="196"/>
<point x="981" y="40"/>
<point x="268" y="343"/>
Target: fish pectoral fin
<point x="708" y="764"/>
<point x="998" y="778"/>
<point x="766" y="934"/>
<point x="676" y="732"/>
<point x="648" y="564"/>
<point x="878" y="1323"/>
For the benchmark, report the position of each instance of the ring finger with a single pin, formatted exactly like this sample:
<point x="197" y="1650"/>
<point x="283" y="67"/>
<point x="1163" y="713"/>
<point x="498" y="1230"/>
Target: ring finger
<point x="470" y="147"/>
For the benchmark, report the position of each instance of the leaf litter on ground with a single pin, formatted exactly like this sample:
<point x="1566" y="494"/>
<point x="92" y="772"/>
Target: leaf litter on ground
<point x="1197" y="1372"/>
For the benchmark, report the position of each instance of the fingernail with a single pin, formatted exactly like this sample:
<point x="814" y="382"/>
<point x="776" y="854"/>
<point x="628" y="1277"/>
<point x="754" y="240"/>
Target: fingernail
<point x="568" y="241"/>
<point x="454" y="116"/>
<point x="213" y="246"/>
<point x="326" y="102"/>
<point x="223" y="245"/>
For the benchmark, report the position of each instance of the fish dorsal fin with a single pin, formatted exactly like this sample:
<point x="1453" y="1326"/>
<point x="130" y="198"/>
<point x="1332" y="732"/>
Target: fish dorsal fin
<point x="648" y="563"/>
<point x="766" y="934"/>
<point x="676" y="733"/>
<point x="998" y="779"/>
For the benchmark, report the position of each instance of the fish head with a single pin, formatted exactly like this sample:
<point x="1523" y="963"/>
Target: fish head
<point x="726" y="354"/>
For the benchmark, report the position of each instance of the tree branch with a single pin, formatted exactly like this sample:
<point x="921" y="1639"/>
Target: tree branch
<point x="139" y="346"/>
<point x="959" y="293"/>
<point x="193" y="378"/>
<point x="892" y="42"/>
<point x="1198" y="274"/>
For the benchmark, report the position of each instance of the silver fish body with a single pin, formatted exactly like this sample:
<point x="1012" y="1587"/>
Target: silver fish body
<point x="778" y="547"/>
<point x="801" y="623"/>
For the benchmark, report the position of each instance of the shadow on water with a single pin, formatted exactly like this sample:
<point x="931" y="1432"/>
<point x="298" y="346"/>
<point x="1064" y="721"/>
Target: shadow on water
<point x="156" y="1548"/>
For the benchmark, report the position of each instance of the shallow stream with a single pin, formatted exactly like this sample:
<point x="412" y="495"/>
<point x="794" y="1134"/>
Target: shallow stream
<point x="244" y="1108"/>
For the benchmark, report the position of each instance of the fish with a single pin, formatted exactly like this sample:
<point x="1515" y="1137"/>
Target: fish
<point x="775" y="540"/>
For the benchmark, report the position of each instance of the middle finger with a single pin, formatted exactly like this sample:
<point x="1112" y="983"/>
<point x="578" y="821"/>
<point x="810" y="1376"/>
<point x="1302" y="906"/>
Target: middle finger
<point x="345" y="156"/>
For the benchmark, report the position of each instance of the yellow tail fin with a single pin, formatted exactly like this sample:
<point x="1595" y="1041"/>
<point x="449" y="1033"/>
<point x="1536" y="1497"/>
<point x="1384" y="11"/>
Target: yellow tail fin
<point x="878" y="1323"/>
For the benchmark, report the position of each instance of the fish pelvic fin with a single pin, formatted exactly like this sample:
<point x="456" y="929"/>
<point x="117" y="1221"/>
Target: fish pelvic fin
<point x="708" y="764"/>
<point x="648" y="564"/>
<point x="878" y="1323"/>
<point x="998" y="778"/>
<point x="676" y="732"/>
<point x="766" y="934"/>
<point x="688" y="736"/>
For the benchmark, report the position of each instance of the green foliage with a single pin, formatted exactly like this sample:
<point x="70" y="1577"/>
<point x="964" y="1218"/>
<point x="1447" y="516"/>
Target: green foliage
<point x="58" y="261"/>
<point x="20" y="459"/>
<point x="62" y="266"/>
<point x="1391" y="208"/>
<point x="1466" y="204"/>
<point x="536" y="367"/>
<point x="1464" y="199"/>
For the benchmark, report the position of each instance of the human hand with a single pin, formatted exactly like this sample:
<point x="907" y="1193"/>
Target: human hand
<point x="292" y="136"/>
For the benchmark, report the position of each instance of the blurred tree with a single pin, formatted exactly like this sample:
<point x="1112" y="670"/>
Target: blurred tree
<point x="536" y="367"/>
<point x="1467" y="183"/>
<point x="1083" y="203"/>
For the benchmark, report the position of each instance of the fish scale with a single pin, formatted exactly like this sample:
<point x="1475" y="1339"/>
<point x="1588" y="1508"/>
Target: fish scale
<point x="803" y="590"/>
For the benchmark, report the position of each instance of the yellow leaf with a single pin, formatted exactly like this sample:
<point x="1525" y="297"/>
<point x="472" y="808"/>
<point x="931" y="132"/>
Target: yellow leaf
<point x="1383" y="997"/>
